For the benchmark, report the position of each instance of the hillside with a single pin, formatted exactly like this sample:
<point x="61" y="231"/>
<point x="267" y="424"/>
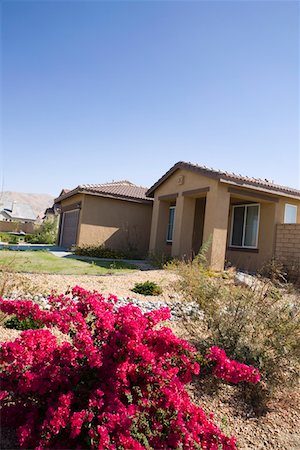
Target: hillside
<point x="38" y="202"/>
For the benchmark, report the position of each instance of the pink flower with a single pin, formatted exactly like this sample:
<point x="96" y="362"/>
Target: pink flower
<point x="113" y="378"/>
<point x="231" y="370"/>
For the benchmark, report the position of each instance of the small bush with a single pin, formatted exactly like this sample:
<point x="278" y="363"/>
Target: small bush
<point x="98" y="251"/>
<point x="41" y="238"/>
<point x="114" y="382"/>
<point x="147" y="288"/>
<point x="275" y="271"/>
<point x="26" y="324"/>
<point x="281" y="273"/>
<point x="4" y="237"/>
<point x="31" y="238"/>
<point x="46" y="233"/>
<point x="13" y="239"/>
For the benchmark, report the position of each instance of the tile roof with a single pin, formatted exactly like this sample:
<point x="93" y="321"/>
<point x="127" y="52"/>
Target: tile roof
<point x="124" y="190"/>
<point x="229" y="177"/>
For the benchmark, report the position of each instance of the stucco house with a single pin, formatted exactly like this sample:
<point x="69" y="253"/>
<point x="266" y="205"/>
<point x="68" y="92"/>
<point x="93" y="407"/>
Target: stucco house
<point x="117" y="215"/>
<point x="16" y="217"/>
<point x="12" y="211"/>
<point x="241" y="216"/>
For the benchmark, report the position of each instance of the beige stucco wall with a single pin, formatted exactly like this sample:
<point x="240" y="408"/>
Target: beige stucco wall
<point x="271" y="214"/>
<point x="177" y="183"/>
<point x="118" y="224"/>
<point x="17" y="227"/>
<point x="198" y="224"/>
<point x="215" y="220"/>
<point x="248" y="259"/>
<point x="281" y="208"/>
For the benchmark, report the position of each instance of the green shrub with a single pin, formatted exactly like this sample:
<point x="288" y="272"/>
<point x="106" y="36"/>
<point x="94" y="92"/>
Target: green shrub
<point x="46" y="233"/>
<point x="28" y="237"/>
<point x="98" y="251"/>
<point x="4" y="237"/>
<point x="147" y="288"/>
<point x="25" y="324"/>
<point x="13" y="239"/>
<point x="257" y="324"/>
<point x="41" y="238"/>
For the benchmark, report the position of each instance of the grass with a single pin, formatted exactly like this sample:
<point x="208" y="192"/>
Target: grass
<point x="46" y="262"/>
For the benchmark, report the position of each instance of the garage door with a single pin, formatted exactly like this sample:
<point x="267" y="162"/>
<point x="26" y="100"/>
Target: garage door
<point x="69" y="228"/>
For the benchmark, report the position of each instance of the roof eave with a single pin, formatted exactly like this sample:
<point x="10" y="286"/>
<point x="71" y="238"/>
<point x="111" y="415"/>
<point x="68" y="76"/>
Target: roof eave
<point x="118" y="197"/>
<point x="67" y="195"/>
<point x="152" y="189"/>
<point x="177" y="166"/>
<point x="79" y="190"/>
<point x="267" y="190"/>
<point x="222" y="178"/>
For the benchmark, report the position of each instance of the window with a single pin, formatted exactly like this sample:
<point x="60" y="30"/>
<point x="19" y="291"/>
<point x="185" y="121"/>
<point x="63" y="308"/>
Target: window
<point x="171" y="224"/>
<point x="244" y="226"/>
<point x="290" y="213"/>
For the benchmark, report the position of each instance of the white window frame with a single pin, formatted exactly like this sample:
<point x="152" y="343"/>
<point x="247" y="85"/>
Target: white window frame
<point x="293" y="206"/>
<point x="245" y="205"/>
<point x="171" y="240"/>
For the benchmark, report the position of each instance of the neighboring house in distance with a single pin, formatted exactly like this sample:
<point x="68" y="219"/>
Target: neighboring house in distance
<point x="51" y="214"/>
<point x="117" y="215"/>
<point x="16" y="217"/>
<point x="193" y="204"/>
<point x="17" y="212"/>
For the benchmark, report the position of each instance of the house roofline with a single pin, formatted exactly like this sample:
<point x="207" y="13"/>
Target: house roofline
<point x="226" y="177"/>
<point x="79" y="190"/>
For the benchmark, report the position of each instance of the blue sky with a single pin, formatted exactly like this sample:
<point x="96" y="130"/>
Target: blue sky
<point x="94" y="91"/>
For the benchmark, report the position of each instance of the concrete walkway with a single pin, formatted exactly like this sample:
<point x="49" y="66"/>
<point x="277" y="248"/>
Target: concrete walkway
<point x="48" y="247"/>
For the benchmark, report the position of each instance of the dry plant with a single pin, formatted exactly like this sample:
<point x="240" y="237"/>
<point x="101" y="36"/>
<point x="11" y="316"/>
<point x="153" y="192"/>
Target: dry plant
<point x="258" y="324"/>
<point x="13" y="284"/>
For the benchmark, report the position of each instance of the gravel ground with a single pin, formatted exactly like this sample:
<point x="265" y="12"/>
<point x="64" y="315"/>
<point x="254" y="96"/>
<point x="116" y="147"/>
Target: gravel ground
<point x="278" y="429"/>
<point x="119" y="284"/>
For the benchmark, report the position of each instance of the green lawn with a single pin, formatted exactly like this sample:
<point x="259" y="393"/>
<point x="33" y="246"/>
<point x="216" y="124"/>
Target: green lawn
<point x="46" y="262"/>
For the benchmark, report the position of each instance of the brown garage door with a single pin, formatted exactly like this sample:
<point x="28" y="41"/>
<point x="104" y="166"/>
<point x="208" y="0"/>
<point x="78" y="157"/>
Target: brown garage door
<point x="69" y="228"/>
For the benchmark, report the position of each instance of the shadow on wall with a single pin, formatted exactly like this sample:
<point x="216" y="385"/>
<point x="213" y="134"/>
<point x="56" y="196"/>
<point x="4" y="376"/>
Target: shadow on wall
<point x="127" y="240"/>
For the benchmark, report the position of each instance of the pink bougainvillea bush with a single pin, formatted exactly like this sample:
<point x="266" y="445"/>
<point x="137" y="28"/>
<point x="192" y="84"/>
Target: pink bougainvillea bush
<point x="116" y="382"/>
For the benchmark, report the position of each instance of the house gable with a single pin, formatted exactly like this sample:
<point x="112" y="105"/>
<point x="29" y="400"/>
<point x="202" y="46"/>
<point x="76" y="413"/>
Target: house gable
<point x="239" y="181"/>
<point x="184" y="182"/>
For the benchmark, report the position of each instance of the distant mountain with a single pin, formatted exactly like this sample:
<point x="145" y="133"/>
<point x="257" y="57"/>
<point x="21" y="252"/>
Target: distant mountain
<point x="38" y="202"/>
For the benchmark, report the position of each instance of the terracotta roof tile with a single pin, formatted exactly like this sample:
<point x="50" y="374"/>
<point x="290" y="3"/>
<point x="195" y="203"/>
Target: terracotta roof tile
<point x="117" y="189"/>
<point x="226" y="176"/>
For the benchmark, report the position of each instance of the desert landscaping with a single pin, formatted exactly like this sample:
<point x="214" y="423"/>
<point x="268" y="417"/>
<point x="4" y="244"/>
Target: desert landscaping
<point x="274" y="428"/>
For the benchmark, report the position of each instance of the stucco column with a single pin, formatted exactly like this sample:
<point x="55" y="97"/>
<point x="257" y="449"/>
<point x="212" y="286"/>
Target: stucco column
<point x="183" y="226"/>
<point x="160" y="217"/>
<point x="216" y="224"/>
